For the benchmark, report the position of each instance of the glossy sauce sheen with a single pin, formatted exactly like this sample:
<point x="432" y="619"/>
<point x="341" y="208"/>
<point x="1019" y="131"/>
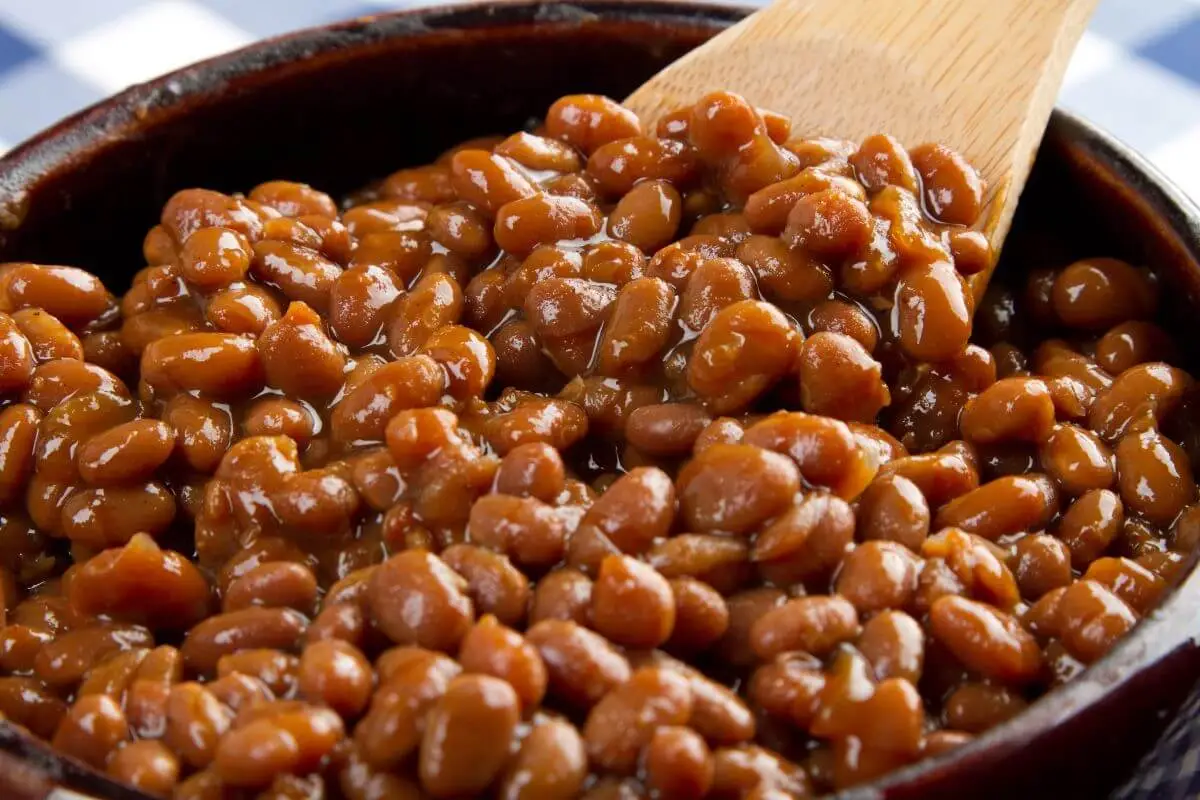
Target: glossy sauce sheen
<point x="594" y="461"/>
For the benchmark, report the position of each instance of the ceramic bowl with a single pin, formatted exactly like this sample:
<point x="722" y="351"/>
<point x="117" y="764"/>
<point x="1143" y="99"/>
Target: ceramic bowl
<point x="340" y="105"/>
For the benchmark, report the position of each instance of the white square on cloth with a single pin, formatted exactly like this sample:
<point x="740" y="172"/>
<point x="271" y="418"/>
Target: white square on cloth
<point x="1179" y="160"/>
<point x="146" y="42"/>
<point x="1093" y="55"/>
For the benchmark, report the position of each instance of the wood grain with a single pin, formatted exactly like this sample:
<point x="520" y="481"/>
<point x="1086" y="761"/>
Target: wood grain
<point x="977" y="75"/>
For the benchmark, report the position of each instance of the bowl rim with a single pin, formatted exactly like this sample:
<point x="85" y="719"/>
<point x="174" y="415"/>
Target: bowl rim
<point x="85" y="135"/>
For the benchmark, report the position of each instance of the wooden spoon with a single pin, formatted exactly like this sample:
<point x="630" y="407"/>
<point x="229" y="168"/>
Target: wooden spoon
<point x="979" y="76"/>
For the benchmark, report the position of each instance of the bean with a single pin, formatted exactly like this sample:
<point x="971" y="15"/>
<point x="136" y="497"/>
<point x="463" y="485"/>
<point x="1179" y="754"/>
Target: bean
<point x="110" y="516"/>
<point x="807" y="541"/>
<point x="1042" y="563"/>
<point x="522" y="225"/>
<point x="1140" y="588"/>
<point x="59" y="380"/>
<point x="1077" y="459"/>
<point x="221" y="365"/>
<point x="487" y="180"/>
<point x="789" y="687"/>
<point x="195" y="723"/>
<point x="639" y="326"/>
<point x="1147" y="391"/>
<point x="128" y="452"/>
<point x="364" y="411"/>
<point x="975" y="707"/>
<point x="533" y="470"/>
<point x="953" y="192"/>
<point x="17" y="360"/>
<point x="28" y="702"/>
<point x="525" y="529"/>
<point x="721" y="358"/>
<point x="1091" y="619"/>
<point x="934" y="312"/>
<point x="587" y="121"/>
<point x="141" y="584"/>
<point x="1097" y="293"/>
<point x="443" y="616"/>
<point x="878" y="575"/>
<point x="1090" y="525"/>
<point x="495" y="586"/>
<point x="551" y="764"/>
<point x="625" y="720"/>
<point x="69" y="294"/>
<point x="1154" y="476"/>
<point x="92" y="729"/>
<point x="18" y="438"/>
<point x="830" y="224"/>
<point x="892" y="508"/>
<point x="490" y="648"/>
<point x="814" y="624"/>
<point x="894" y="644"/>
<point x="632" y="604"/>
<point x="48" y="337"/>
<point x="838" y="378"/>
<point x="298" y="358"/>
<point x="235" y="630"/>
<point x="467" y="736"/>
<point x="1010" y="409"/>
<point x="582" y="666"/>
<point x="147" y="765"/>
<point x="824" y="449"/>
<point x="1128" y="344"/>
<point x="734" y="488"/>
<point x="1005" y="505"/>
<point x="564" y="594"/>
<point x="300" y="273"/>
<point x="678" y="763"/>
<point x="985" y="639"/>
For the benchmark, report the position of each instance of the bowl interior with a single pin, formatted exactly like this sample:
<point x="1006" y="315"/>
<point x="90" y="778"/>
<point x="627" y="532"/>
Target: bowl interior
<point x="341" y="106"/>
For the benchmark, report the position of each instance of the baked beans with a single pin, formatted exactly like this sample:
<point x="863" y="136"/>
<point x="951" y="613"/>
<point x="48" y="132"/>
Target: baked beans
<point x="601" y="460"/>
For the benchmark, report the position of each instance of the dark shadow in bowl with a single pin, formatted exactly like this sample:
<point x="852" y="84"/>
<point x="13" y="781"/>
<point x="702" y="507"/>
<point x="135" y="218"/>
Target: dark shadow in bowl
<point x="342" y="105"/>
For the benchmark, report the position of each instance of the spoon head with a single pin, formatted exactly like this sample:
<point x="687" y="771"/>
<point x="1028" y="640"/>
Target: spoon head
<point x="979" y="76"/>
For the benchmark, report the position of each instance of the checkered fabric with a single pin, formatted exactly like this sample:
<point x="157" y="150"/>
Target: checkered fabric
<point x="1136" y="73"/>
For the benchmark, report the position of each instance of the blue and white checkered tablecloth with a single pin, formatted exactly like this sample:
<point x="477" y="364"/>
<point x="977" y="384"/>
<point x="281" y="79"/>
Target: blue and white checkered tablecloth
<point x="1136" y="73"/>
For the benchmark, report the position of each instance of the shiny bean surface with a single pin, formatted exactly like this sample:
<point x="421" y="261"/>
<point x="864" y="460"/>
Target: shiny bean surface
<point x="603" y="460"/>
